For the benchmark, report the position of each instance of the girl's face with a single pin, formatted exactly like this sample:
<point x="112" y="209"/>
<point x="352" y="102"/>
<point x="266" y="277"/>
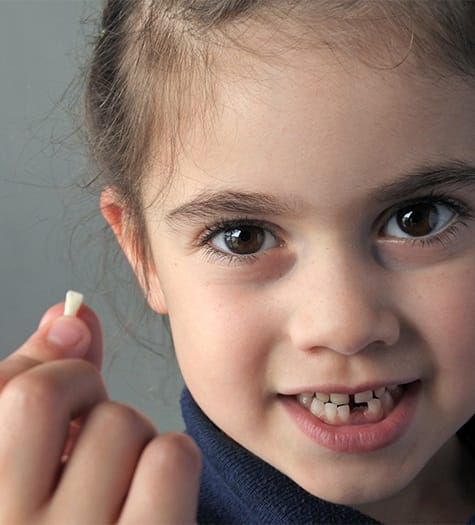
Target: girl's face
<point x="319" y="238"/>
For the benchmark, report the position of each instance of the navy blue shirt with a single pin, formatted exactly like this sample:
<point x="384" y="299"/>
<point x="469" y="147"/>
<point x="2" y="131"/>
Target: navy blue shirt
<point x="237" y="487"/>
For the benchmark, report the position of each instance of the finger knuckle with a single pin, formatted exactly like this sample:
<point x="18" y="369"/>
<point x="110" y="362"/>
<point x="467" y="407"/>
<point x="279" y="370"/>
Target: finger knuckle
<point x="41" y="389"/>
<point x="173" y="450"/>
<point x="31" y="393"/>
<point x="4" y="378"/>
<point x="13" y="366"/>
<point x="120" y="417"/>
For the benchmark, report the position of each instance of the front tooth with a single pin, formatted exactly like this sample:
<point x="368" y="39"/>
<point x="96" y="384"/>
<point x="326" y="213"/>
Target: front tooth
<point x="330" y="412"/>
<point x="340" y="399"/>
<point x="305" y="399"/>
<point x="374" y="406"/>
<point x="317" y="407"/>
<point x="363" y="397"/>
<point x="322" y="397"/>
<point x="343" y="413"/>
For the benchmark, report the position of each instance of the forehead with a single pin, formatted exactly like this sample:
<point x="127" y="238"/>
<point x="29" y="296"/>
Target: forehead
<point x="329" y="120"/>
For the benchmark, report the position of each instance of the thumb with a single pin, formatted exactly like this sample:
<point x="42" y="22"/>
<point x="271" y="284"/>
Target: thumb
<point x="66" y="336"/>
<point x="57" y="337"/>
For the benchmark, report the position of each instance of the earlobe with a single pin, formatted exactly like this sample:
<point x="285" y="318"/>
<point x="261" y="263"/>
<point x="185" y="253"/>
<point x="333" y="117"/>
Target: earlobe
<point x="114" y="213"/>
<point x="154" y="293"/>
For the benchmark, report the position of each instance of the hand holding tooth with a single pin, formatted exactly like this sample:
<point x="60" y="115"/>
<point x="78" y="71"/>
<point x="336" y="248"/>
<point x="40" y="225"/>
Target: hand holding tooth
<point x="70" y="454"/>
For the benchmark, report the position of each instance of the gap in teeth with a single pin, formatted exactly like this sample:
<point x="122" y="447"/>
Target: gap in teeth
<point x="336" y="407"/>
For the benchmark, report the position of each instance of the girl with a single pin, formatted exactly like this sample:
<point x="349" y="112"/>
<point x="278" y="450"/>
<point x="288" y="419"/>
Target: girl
<point x="293" y="183"/>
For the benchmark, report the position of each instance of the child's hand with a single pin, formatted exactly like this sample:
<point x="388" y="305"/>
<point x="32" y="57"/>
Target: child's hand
<point x="57" y="337"/>
<point x="70" y="455"/>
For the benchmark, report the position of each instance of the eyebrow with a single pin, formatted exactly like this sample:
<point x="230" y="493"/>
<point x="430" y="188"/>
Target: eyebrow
<point x="208" y="204"/>
<point x="455" y="174"/>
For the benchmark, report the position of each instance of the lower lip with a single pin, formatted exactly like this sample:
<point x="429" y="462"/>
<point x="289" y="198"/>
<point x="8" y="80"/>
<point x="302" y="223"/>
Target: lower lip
<point x="356" y="439"/>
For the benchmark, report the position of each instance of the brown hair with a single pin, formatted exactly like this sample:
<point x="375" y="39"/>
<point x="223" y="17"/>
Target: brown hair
<point x="151" y="55"/>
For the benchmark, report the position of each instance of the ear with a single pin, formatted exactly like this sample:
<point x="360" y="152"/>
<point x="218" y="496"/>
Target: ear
<point x="115" y="214"/>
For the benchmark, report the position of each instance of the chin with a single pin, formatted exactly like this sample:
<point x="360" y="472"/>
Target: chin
<point x="346" y="487"/>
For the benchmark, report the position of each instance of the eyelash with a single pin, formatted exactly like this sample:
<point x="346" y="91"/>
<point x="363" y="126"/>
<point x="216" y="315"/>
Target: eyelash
<point x="222" y="225"/>
<point x="461" y="210"/>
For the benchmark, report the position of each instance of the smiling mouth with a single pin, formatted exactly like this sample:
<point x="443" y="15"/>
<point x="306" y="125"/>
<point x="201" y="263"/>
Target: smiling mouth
<point x="370" y="406"/>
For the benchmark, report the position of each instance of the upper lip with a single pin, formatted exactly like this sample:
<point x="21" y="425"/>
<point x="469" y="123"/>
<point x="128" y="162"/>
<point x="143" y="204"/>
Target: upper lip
<point x="329" y="388"/>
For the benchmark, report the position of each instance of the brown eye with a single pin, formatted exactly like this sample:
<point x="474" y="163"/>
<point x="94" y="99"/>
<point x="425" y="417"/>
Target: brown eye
<point x="245" y="239"/>
<point x="418" y="220"/>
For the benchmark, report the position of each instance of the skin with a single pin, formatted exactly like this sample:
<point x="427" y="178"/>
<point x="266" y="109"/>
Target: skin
<point x="334" y="299"/>
<point x="54" y="400"/>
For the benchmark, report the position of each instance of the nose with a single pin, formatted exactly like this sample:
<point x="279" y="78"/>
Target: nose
<point x="343" y="305"/>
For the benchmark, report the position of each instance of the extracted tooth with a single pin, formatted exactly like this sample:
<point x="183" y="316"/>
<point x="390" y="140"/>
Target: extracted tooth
<point x="330" y="412"/>
<point x="363" y="397"/>
<point x="322" y="397"/>
<point x="317" y="407"/>
<point x="343" y="413"/>
<point x="374" y="407"/>
<point x="340" y="399"/>
<point x="305" y="399"/>
<point x="387" y="402"/>
<point x="379" y="392"/>
<point x="72" y="303"/>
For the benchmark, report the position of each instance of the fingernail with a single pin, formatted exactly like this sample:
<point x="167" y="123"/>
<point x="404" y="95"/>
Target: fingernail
<point x="69" y="334"/>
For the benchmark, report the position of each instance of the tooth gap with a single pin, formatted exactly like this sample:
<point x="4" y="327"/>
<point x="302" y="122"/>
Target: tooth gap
<point x="353" y="403"/>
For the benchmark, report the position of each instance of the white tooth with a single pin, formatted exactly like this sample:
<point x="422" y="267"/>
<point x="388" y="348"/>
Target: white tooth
<point x="387" y="402"/>
<point x="340" y="399"/>
<point x="363" y="397"/>
<point x="343" y="413"/>
<point x="72" y="303"/>
<point x="322" y="397"/>
<point x="317" y="408"/>
<point x="330" y="412"/>
<point x="379" y="392"/>
<point x="305" y="399"/>
<point x="374" y="406"/>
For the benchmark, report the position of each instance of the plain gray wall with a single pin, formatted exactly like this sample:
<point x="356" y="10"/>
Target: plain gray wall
<point x="42" y="48"/>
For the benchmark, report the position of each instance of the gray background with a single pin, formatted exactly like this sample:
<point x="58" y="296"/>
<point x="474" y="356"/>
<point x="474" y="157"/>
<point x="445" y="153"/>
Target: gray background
<point x="48" y="241"/>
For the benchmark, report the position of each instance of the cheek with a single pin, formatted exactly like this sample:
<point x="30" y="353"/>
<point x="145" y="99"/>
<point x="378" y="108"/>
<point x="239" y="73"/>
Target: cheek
<point x="448" y="315"/>
<point x="442" y="313"/>
<point x="223" y="346"/>
<point x="220" y="336"/>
